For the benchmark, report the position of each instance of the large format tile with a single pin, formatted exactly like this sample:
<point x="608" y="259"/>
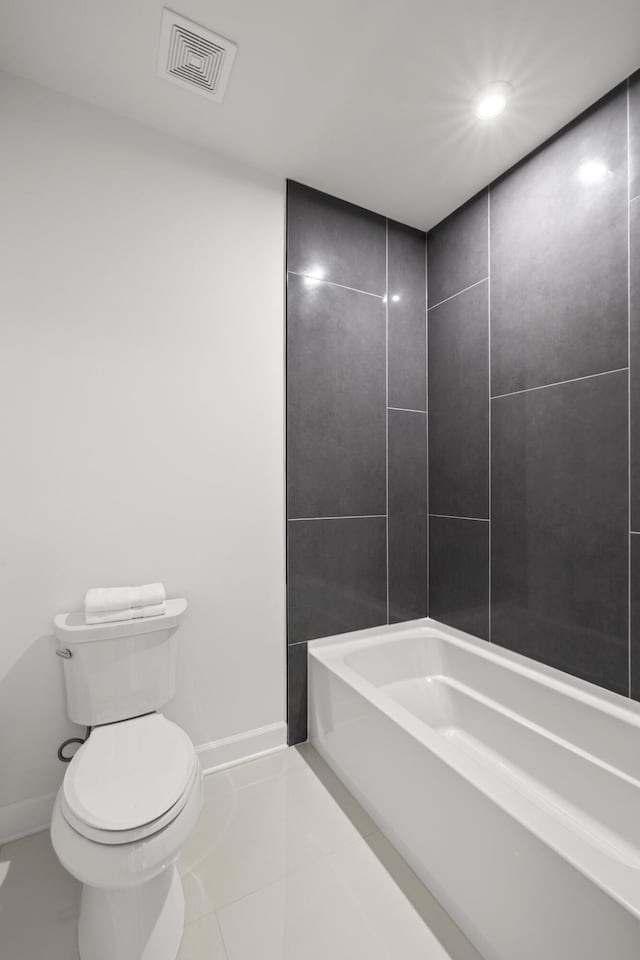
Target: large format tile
<point x="559" y="257"/>
<point x="634" y="135"/>
<point x="559" y="527"/>
<point x="39" y="902"/>
<point x="635" y="616"/>
<point x="459" y="574"/>
<point x="634" y="325"/>
<point x="407" y="515"/>
<point x="336" y="390"/>
<point x="440" y="924"/>
<point x="407" y="318"/>
<point x="258" y="834"/>
<point x="457" y="250"/>
<point x="344" y="907"/>
<point x="634" y="373"/>
<point x="335" y="788"/>
<point x="459" y="405"/>
<point x="334" y="239"/>
<point x="336" y="576"/>
<point x="297" y="692"/>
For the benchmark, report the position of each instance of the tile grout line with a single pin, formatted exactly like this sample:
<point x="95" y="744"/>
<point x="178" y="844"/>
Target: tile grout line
<point x="315" y="859"/>
<point x="452" y="516"/>
<point x="457" y="294"/>
<point x="386" y="387"/>
<point x="332" y="283"/>
<point x="489" y="398"/>
<point x="559" y="383"/>
<point x="352" y="516"/>
<point x="219" y="925"/>
<point x="629" y="384"/>
<point x="406" y="410"/>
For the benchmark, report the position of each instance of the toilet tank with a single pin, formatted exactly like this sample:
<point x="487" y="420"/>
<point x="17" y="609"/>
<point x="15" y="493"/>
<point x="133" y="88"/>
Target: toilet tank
<point x="114" y="671"/>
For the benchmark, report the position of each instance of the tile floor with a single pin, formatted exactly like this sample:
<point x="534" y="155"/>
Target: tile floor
<point x="284" y="865"/>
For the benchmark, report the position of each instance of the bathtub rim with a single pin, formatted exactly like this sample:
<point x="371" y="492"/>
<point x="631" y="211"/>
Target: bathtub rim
<point x="616" y="878"/>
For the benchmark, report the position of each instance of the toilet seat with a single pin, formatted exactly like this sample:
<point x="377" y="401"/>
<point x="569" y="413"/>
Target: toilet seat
<point x="129" y="780"/>
<point x="135" y="833"/>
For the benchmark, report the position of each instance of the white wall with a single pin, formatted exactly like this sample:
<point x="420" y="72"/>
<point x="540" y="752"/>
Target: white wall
<point x="141" y="420"/>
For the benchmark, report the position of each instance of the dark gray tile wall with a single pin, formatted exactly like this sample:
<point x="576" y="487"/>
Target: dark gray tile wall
<point x="337" y="576"/>
<point x="457" y="250"/>
<point x="459" y="573"/>
<point x="336" y="437"/>
<point x="634" y="374"/>
<point x="459" y="405"/>
<point x="559" y="257"/>
<point x="334" y="240"/>
<point x="635" y="616"/>
<point x="407" y="327"/>
<point x="297" y="692"/>
<point x="407" y="515"/>
<point x="559" y="527"/>
<point x="634" y="135"/>
<point x="563" y="393"/>
<point x="356" y="426"/>
<point x="634" y="358"/>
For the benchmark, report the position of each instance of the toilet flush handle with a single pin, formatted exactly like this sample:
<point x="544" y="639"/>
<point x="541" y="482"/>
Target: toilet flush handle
<point x="64" y="652"/>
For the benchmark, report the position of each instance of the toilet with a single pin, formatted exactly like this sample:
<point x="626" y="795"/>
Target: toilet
<point x="132" y="793"/>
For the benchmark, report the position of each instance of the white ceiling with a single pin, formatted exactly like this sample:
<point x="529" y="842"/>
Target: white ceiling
<point x="366" y="99"/>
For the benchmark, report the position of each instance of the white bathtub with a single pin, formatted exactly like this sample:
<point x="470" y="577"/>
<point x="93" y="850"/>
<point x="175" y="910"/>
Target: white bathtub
<point x="512" y="789"/>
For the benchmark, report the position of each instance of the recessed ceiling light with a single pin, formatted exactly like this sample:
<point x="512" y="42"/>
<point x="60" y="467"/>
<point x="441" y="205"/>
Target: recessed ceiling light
<point x="591" y="171"/>
<point x="395" y="297"/>
<point x="492" y="100"/>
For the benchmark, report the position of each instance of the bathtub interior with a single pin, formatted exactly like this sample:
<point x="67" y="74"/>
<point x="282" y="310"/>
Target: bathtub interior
<point x="563" y="748"/>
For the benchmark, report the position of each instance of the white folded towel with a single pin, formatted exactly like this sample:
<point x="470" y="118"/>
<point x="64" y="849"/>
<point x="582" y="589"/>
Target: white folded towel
<point x="107" y="599"/>
<point x="133" y="613"/>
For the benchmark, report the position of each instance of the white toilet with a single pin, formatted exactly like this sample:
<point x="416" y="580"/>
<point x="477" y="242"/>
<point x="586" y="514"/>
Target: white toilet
<point x="132" y="793"/>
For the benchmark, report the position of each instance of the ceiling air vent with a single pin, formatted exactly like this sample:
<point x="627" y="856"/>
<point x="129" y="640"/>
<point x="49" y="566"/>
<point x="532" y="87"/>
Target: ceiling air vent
<point x="194" y="57"/>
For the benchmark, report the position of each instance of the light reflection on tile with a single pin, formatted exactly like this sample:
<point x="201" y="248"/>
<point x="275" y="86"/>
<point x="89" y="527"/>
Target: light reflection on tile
<point x="344" y="906"/>
<point x="256" y="834"/>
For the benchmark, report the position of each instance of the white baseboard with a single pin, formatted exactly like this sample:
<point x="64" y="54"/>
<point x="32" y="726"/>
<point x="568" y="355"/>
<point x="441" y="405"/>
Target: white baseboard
<point x="243" y="746"/>
<point x="25" y="817"/>
<point x="29" y="816"/>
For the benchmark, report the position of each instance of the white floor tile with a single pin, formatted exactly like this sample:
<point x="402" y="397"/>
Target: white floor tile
<point x="303" y="917"/>
<point x="437" y="920"/>
<point x="202" y="940"/>
<point x="255" y="835"/>
<point x="343" y="907"/>
<point x="39" y="903"/>
<point x="277" y="764"/>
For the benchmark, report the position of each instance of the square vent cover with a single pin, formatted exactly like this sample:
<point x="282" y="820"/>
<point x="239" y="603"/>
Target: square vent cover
<point x="194" y="57"/>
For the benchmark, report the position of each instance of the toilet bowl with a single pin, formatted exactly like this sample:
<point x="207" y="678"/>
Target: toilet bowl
<point x="129" y="800"/>
<point x="132" y="794"/>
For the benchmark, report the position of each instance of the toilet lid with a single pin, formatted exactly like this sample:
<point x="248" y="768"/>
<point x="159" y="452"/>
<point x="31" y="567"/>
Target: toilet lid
<point x="129" y="773"/>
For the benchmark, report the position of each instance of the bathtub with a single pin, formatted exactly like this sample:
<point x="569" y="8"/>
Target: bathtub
<point x="512" y="789"/>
